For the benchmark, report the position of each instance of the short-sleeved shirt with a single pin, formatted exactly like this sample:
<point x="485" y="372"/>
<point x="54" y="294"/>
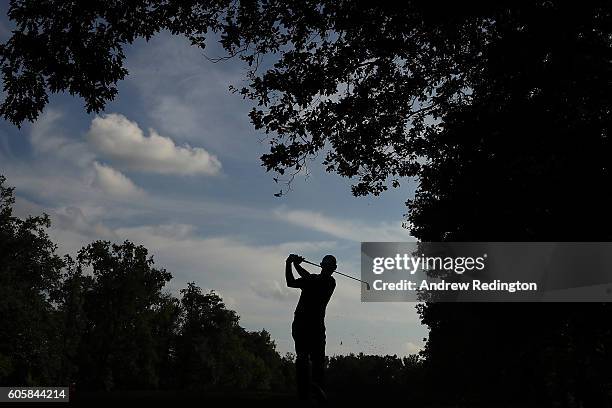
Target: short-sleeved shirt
<point x="316" y="292"/>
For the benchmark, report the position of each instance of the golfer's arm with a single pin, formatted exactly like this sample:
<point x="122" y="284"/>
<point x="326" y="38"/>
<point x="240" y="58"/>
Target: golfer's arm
<point x="301" y="271"/>
<point x="289" y="275"/>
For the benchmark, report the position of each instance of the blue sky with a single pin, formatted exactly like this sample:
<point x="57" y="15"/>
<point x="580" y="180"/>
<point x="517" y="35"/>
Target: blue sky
<point x="173" y="163"/>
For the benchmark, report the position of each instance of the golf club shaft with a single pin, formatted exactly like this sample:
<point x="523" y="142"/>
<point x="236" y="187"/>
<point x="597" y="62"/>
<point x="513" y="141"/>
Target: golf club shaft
<point x="339" y="273"/>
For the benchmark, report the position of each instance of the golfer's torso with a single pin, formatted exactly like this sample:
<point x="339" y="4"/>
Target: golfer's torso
<point x="313" y="301"/>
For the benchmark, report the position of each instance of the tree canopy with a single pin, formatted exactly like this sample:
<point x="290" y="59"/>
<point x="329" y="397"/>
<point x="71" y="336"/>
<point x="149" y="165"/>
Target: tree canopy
<point x="371" y="85"/>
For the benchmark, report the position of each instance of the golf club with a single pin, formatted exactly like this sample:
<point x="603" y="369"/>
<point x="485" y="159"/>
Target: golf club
<point x="340" y="273"/>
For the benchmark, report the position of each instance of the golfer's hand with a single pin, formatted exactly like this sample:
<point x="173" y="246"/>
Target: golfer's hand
<point x="296" y="259"/>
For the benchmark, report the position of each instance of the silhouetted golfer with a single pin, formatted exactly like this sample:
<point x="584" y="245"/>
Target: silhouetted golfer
<point x="308" y="327"/>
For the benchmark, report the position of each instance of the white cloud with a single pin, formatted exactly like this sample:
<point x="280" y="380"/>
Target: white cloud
<point x="50" y="141"/>
<point x="228" y="263"/>
<point x="122" y="141"/>
<point x="114" y="182"/>
<point x="74" y="219"/>
<point x="345" y="229"/>
<point x="44" y="135"/>
<point x="186" y="96"/>
<point x="271" y="290"/>
<point x="412" y="348"/>
<point x="62" y="156"/>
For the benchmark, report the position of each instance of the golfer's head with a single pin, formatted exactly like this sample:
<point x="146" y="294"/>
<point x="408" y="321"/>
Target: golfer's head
<point x="328" y="265"/>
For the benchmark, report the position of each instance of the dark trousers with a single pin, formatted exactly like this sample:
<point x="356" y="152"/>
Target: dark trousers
<point x="310" y="350"/>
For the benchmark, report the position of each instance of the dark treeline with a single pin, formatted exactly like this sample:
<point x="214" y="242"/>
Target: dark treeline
<point x="103" y="321"/>
<point x="378" y="375"/>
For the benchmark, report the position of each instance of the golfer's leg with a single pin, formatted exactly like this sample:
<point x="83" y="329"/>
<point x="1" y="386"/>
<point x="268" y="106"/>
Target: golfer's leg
<point x="302" y="375"/>
<point x="318" y="362"/>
